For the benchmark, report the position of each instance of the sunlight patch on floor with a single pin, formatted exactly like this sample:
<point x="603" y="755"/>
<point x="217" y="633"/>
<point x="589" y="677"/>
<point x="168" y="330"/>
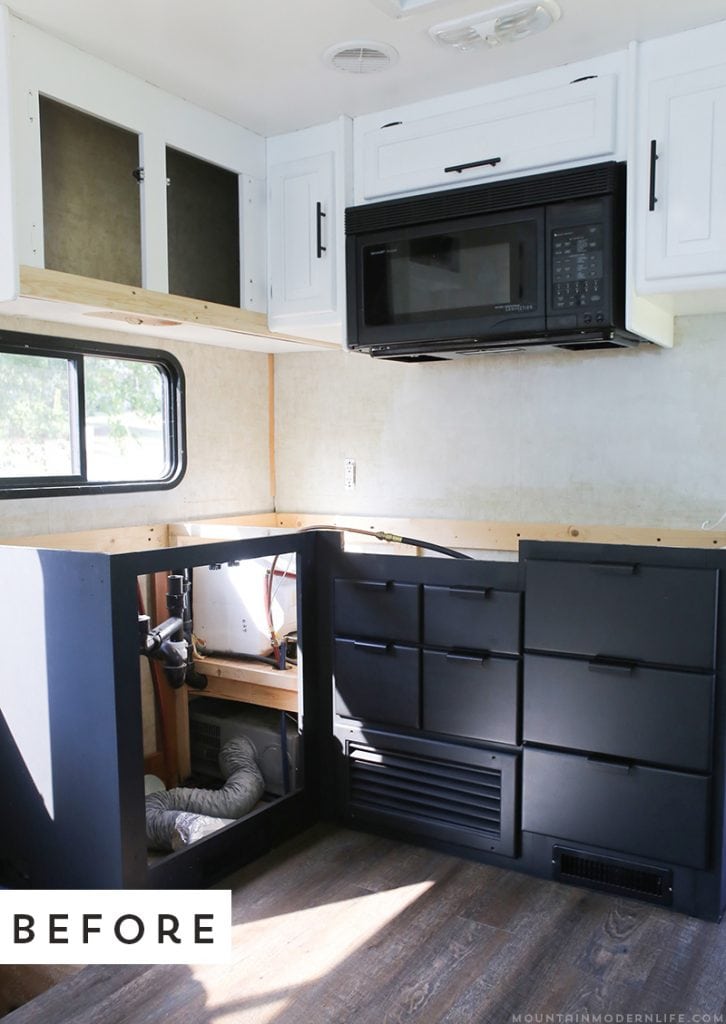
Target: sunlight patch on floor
<point x="301" y="948"/>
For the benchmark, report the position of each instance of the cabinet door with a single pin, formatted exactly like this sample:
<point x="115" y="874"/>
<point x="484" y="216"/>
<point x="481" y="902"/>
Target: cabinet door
<point x="8" y="272"/>
<point x="523" y="133"/>
<point x="685" y="148"/>
<point x="302" y="233"/>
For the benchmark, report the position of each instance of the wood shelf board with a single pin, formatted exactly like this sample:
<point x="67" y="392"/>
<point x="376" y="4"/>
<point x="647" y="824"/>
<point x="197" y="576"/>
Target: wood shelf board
<point x="247" y="672"/>
<point x="250" y="693"/>
<point x="121" y="539"/>
<point x="472" y="535"/>
<point x="52" y="294"/>
<point x="466" y="535"/>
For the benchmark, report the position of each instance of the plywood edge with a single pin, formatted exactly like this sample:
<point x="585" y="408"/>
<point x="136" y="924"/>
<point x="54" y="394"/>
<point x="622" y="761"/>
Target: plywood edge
<point x="144" y="308"/>
<point x="471" y="535"/>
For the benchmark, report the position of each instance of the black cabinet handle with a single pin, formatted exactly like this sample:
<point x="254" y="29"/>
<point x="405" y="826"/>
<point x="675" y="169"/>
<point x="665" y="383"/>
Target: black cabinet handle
<point x="369" y="646"/>
<point x="319" y="229"/>
<point x="615" y="568"/>
<point x="372" y="584"/>
<point x="458" y="168"/>
<point x="652" y="199"/>
<point x="470" y="591"/>
<point x="610" y="667"/>
<point x="479" y="659"/>
<point x="616" y="767"/>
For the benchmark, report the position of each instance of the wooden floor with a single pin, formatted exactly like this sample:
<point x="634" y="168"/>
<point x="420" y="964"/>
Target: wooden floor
<point x="340" y="927"/>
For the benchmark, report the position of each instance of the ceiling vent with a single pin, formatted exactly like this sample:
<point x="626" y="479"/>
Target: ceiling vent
<point x="360" y="57"/>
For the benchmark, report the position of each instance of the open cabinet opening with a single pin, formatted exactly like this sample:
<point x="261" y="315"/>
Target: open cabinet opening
<point x="202" y="229"/>
<point x="221" y="698"/>
<point x="91" y="200"/>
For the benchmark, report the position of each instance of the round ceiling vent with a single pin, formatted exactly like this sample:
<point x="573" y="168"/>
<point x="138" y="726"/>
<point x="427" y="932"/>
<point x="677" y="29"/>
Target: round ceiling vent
<point x="360" y="58"/>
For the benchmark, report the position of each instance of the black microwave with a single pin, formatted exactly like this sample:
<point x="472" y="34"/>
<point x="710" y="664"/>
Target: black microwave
<point x="524" y="263"/>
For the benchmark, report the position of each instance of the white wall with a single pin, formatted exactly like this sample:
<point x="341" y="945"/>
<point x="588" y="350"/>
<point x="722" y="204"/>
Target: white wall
<point x="633" y="437"/>
<point x="227" y="446"/>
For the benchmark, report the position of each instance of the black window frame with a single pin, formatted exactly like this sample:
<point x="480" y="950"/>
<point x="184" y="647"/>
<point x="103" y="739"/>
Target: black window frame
<point x="19" y="343"/>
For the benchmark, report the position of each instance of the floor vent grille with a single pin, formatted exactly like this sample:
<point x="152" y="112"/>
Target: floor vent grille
<point x="614" y="876"/>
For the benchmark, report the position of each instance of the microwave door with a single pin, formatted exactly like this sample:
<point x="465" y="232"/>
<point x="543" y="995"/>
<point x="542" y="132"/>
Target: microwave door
<point x="477" y="276"/>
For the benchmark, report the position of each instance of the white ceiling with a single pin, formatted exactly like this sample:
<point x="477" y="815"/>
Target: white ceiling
<point x="259" y="62"/>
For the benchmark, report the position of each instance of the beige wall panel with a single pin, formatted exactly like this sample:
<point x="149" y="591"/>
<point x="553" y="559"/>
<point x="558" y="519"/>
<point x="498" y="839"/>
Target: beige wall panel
<point x="631" y="437"/>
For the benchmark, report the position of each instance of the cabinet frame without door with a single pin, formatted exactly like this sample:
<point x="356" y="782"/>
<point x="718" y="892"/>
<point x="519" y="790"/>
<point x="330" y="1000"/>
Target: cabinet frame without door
<point x="72" y="749"/>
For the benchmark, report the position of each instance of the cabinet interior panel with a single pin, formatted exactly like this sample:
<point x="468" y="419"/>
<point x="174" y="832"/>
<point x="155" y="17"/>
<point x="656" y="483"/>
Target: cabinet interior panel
<point x="203" y="229"/>
<point x="91" y="200"/>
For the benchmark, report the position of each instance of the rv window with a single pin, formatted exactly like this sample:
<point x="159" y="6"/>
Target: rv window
<point x="87" y="418"/>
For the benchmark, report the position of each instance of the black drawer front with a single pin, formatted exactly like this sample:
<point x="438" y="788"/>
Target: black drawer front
<point x="642" y="613"/>
<point x="377" y="608"/>
<point x="472" y="618"/>
<point x="377" y="682"/>
<point x="649" y="812"/>
<point x="472" y="697"/>
<point x="641" y="714"/>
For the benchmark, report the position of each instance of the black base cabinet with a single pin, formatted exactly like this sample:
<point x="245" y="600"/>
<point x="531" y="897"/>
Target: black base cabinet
<point x="562" y="715"/>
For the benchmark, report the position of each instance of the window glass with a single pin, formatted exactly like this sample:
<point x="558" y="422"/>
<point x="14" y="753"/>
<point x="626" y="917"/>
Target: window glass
<point x="81" y="417"/>
<point x="125" y="422"/>
<point x="35" y="416"/>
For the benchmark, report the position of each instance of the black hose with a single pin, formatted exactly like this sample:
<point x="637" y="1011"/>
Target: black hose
<point x="430" y="546"/>
<point x="392" y="538"/>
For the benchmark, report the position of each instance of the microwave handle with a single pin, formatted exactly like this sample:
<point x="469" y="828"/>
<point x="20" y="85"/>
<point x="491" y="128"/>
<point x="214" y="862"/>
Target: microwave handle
<point x="458" y="168"/>
<point x="319" y="214"/>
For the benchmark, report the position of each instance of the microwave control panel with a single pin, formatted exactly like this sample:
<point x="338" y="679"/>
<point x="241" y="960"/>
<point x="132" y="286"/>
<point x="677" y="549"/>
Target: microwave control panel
<point x="577" y="260"/>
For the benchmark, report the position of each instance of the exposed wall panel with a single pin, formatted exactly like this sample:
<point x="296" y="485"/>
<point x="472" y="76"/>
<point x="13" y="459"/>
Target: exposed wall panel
<point x="633" y="437"/>
<point x="203" y="227"/>
<point x="91" y="208"/>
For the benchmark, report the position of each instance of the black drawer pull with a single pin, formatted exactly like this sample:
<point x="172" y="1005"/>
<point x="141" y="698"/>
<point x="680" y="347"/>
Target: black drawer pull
<point x="370" y="646"/>
<point x="616" y="767"/>
<point x="458" y="168"/>
<point x="479" y="659"/>
<point x="372" y="584"/>
<point x="616" y="568"/>
<point x="470" y="591"/>
<point x="611" y="667"/>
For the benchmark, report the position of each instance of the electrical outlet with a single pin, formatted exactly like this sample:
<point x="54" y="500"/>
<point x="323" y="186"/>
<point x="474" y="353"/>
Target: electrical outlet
<point x="349" y="474"/>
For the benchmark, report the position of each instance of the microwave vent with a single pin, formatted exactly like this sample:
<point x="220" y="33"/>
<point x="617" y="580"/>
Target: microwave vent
<point x="513" y="194"/>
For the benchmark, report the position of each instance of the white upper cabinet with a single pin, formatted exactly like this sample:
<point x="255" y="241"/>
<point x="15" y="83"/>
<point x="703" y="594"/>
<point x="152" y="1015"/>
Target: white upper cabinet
<point x="308" y="174"/>
<point x="553" y="119"/>
<point x="8" y="268"/>
<point x="680" y="162"/>
<point x="46" y="71"/>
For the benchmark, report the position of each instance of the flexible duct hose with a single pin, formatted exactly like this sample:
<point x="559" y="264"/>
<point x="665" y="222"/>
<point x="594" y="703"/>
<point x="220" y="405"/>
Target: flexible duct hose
<point x="243" y="788"/>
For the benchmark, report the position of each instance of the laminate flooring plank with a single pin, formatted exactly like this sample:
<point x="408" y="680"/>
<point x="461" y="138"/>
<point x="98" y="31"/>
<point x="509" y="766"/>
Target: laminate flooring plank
<point x="340" y="927"/>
